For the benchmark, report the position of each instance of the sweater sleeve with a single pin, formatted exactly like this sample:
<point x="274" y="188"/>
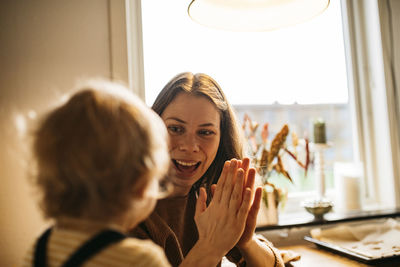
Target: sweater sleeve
<point x="277" y="254"/>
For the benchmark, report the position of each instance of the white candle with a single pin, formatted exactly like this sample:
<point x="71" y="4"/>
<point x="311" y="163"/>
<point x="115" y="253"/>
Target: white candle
<point x="347" y="186"/>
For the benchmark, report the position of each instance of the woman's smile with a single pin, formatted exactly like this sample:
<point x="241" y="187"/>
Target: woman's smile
<point x="185" y="168"/>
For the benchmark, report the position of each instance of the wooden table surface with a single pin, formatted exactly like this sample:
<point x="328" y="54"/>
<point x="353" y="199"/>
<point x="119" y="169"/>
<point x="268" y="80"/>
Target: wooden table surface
<point x="312" y="256"/>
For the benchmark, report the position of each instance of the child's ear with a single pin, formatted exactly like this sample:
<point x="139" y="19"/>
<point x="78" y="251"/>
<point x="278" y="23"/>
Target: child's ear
<point x="140" y="189"/>
<point x="147" y="189"/>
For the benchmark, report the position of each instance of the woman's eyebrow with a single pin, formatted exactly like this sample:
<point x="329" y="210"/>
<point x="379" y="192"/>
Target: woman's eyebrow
<point x="175" y="119"/>
<point x="207" y="124"/>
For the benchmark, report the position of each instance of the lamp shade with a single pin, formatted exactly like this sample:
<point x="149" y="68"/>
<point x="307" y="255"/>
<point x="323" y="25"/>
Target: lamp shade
<point x="254" y="15"/>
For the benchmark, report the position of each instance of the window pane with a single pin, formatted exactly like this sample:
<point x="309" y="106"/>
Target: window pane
<point x="302" y="64"/>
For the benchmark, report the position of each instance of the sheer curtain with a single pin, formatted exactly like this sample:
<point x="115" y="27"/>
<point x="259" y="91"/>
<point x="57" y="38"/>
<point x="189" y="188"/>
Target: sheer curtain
<point x="389" y="11"/>
<point x="374" y="61"/>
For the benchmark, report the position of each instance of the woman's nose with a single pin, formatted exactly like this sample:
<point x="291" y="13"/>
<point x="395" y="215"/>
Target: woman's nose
<point x="189" y="143"/>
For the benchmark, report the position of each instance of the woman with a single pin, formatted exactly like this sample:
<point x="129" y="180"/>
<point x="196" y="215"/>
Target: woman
<point x="93" y="197"/>
<point x="204" y="135"/>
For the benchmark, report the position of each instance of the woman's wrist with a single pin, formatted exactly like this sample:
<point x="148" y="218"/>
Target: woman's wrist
<point x="243" y="247"/>
<point x="203" y="254"/>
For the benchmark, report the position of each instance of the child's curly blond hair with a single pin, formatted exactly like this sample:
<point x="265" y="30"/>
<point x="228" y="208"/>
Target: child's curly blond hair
<point x="96" y="151"/>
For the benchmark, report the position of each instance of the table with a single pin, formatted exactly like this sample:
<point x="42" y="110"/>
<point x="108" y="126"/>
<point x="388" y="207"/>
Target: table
<point x="312" y="256"/>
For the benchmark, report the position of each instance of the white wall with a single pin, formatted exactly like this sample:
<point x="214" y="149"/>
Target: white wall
<point x="45" y="46"/>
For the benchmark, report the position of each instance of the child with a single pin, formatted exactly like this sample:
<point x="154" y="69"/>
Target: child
<point x="100" y="158"/>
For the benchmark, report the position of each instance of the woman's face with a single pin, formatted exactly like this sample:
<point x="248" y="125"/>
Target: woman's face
<point x="193" y="124"/>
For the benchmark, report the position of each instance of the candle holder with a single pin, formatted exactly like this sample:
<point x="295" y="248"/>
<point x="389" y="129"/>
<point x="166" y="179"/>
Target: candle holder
<point x="319" y="168"/>
<point x="319" y="205"/>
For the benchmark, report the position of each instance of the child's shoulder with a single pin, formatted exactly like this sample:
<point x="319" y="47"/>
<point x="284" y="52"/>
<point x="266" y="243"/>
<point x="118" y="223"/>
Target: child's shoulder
<point x="140" y="252"/>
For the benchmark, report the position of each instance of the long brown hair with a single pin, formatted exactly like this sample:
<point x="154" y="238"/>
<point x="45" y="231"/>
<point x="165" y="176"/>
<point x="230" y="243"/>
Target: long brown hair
<point x="231" y="141"/>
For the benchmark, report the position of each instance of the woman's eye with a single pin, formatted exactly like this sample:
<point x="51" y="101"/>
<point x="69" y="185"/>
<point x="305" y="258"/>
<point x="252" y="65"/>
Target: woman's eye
<point x="175" y="129"/>
<point x="206" y="132"/>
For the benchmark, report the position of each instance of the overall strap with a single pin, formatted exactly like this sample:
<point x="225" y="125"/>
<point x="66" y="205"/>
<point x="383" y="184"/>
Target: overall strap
<point x="93" y="246"/>
<point x="85" y="252"/>
<point x="39" y="259"/>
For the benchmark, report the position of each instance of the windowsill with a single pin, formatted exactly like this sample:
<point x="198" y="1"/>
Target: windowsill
<point x="304" y="219"/>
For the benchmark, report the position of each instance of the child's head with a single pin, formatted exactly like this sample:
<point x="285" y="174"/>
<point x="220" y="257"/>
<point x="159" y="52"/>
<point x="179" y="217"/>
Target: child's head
<point x="97" y="152"/>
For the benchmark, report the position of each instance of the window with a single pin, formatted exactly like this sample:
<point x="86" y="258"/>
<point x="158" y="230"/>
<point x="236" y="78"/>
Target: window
<point x="287" y="76"/>
<point x="304" y="64"/>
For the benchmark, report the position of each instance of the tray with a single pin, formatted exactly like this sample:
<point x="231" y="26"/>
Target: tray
<point x="351" y="254"/>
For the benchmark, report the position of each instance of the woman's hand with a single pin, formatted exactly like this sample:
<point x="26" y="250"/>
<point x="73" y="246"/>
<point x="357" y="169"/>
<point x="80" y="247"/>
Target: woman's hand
<point x="223" y="222"/>
<point x="250" y="174"/>
<point x="251" y="220"/>
<point x="255" y="252"/>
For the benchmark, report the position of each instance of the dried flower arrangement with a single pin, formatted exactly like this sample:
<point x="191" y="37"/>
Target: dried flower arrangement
<point x="267" y="161"/>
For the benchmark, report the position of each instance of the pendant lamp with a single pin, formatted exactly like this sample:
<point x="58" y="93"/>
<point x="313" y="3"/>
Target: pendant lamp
<point x="254" y="15"/>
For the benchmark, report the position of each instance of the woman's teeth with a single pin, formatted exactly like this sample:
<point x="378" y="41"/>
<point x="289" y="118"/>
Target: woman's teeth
<point x="185" y="167"/>
<point x="188" y="164"/>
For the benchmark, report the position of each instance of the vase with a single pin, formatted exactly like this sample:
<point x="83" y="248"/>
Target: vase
<point x="268" y="213"/>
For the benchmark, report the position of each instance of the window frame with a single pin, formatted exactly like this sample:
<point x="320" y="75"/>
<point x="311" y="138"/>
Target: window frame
<point x="371" y="93"/>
